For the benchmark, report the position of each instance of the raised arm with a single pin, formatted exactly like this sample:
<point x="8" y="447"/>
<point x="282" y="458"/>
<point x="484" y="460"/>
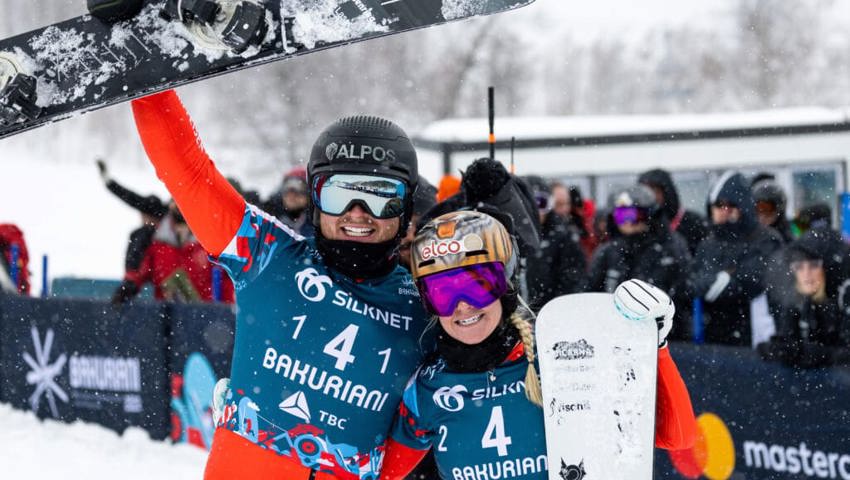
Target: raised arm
<point x="212" y="208"/>
<point x="675" y="425"/>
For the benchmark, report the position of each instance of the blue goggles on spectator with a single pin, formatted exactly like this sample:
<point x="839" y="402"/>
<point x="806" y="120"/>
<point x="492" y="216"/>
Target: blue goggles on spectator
<point x="381" y="197"/>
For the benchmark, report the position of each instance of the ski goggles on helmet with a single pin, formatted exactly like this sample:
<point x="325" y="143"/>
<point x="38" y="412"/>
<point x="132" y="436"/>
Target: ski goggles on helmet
<point x="542" y="201"/>
<point x="624" y="215"/>
<point x="381" y="197"/>
<point x="478" y="285"/>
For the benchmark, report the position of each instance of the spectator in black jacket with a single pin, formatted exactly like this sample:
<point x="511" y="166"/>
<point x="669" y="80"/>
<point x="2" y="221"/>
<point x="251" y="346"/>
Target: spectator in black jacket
<point x="688" y="223"/>
<point x="813" y="318"/>
<point x="558" y="267"/>
<point x="770" y="207"/>
<point x="150" y="207"/>
<point x="645" y="249"/>
<point x="728" y="271"/>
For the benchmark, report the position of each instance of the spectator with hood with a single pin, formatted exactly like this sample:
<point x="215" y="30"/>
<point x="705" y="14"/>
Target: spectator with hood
<point x="813" y="317"/>
<point x="729" y="267"/>
<point x="558" y="267"/>
<point x="687" y="223"/>
<point x="770" y="207"/>
<point x="644" y="248"/>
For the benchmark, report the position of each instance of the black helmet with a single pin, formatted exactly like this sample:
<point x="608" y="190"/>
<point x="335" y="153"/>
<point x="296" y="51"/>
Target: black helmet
<point x="769" y="191"/>
<point x="367" y="145"/>
<point x="639" y="196"/>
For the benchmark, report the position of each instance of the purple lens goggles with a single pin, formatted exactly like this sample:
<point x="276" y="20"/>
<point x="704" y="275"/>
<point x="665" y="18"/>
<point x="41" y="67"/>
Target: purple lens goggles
<point x="542" y="201"/>
<point x="478" y="285"/>
<point x="623" y="215"/>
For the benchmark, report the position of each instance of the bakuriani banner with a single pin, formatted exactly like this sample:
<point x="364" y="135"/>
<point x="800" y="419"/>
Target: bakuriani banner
<point x="761" y="420"/>
<point x="86" y="360"/>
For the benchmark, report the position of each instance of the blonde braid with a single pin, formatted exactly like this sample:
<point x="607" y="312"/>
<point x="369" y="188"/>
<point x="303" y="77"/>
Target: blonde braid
<point x="532" y="381"/>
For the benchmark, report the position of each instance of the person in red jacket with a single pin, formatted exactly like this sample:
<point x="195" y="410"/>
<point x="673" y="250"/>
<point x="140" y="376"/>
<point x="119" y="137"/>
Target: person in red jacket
<point x="177" y="266"/>
<point x="14" y="260"/>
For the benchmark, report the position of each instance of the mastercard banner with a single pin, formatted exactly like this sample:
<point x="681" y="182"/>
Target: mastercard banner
<point x="760" y="420"/>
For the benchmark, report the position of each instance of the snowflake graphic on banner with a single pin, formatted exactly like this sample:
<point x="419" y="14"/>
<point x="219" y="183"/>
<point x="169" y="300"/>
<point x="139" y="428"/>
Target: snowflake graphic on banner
<point x="43" y="374"/>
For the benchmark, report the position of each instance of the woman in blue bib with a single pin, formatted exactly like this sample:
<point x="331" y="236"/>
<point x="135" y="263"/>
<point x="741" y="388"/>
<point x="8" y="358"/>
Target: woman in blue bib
<point x="476" y="400"/>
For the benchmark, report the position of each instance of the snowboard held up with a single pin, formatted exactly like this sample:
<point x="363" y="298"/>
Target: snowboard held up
<point x="598" y="372"/>
<point x="85" y="63"/>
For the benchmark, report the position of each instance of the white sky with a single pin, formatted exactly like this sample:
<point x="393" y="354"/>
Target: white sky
<point x="601" y="16"/>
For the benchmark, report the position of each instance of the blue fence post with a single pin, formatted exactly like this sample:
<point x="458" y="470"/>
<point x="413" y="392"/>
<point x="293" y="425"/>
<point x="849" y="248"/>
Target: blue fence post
<point x="14" y="270"/>
<point x="216" y="283"/>
<point x="699" y="334"/>
<point x="844" y="216"/>
<point x="45" y="290"/>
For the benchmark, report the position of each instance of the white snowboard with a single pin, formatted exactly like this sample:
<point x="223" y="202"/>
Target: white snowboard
<point x="598" y="372"/>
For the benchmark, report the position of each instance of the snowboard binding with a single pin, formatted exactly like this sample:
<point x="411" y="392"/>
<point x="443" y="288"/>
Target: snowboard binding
<point x="17" y="92"/>
<point x="232" y="25"/>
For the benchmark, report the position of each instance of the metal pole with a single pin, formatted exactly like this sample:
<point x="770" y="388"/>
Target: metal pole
<point x="492" y="111"/>
<point x="45" y="290"/>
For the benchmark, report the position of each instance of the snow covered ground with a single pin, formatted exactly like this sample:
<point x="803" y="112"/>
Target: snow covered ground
<point x="47" y="450"/>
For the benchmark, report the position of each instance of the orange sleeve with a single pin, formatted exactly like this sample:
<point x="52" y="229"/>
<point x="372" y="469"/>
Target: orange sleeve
<point x="212" y="208"/>
<point x="675" y="425"/>
<point x="400" y="460"/>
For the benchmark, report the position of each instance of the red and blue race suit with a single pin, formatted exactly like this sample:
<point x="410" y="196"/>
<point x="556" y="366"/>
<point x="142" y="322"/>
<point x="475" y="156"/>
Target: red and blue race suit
<point x="320" y="360"/>
<point x="481" y="426"/>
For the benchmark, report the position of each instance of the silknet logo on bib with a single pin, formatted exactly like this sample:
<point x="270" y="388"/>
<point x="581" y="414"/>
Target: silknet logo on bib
<point x="450" y="398"/>
<point x="311" y="285"/>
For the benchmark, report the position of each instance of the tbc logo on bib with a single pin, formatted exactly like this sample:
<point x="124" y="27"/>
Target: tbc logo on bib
<point x="311" y="285"/>
<point x="449" y="398"/>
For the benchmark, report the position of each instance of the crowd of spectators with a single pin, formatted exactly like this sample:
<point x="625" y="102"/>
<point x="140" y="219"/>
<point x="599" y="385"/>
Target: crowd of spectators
<point x="746" y="273"/>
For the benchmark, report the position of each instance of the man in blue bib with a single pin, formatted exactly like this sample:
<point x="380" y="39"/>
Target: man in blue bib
<point x="327" y="328"/>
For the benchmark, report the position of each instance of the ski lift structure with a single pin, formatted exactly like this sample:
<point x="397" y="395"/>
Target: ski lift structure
<point x="806" y="149"/>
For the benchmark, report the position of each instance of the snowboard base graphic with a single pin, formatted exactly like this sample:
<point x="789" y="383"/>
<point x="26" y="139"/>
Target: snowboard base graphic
<point x="82" y="64"/>
<point x="598" y="373"/>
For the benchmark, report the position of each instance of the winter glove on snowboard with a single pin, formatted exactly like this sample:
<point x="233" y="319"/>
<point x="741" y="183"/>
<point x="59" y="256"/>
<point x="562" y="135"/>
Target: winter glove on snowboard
<point x="637" y="300"/>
